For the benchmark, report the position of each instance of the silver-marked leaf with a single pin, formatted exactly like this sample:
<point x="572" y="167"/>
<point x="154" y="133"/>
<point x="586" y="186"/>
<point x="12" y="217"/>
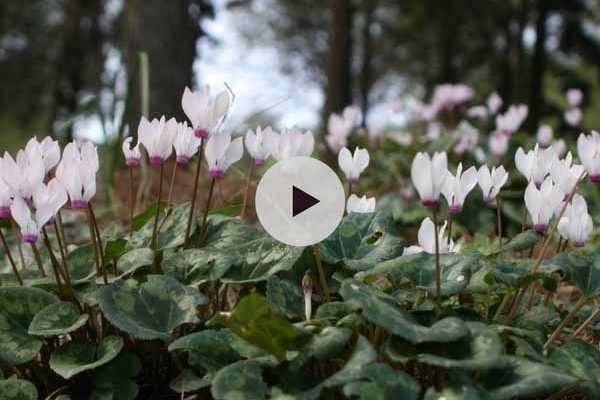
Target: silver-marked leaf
<point x="77" y="356"/>
<point x="17" y="389"/>
<point x="522" y="241"/>
<point x="362" y="240"/>
<point x="240" y="380"/>
<point x="580" y="360"/>
<point x="57" y="319"/>
<point x="81" y="264"/>
<point x="382" y="310"/>
<point x="150" y="310"/>
<point x="116" y="380"/>
<point x="209" y="349"/>
<point x="188" y="382"/>
<point x="134" y="260"/>
<point x="286" y="296"/>
<point x="327" y="343"/>
<point x="172" y="233"/>
<point x="385" y="383"/>
<point x="18" y="307"/>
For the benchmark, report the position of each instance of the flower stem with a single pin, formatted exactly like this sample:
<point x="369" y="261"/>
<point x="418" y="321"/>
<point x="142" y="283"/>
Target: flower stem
<point x="586" y="323"/>
<point x="565" y="321"/>
<point x="349" y="188"/>
<point x="194" y="194"/>
<point x="10" y="258"/>
<point x="62" y="232"/>
<point x="247" y="191"/>
<point x="131" y="201"/>
<point x="98" y="237"/>
<point x="499" y="222"/>
<point x="449" y="229"/>
<point x="54" y="262"/>
<point x="438" y="271"/>
<point x="158" y="199"/>
<point x="95" y="245"/>
<point x="323" y="281"/>
<point x="173" y="176"/>
<point x="63" y="255"/>
<point x="38" y="259"/>
<point x="558" y="245"/>
<point x="502" y="305"/>
<point x="206" y="210"/>
<point x="19" y="243"/>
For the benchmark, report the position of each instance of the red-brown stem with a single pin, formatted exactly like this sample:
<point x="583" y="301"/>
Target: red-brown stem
<point x="558" y="245"/>
<point x="449" y="229"/>
<point x="247" y="191"/>
<point x="54" y="263"/>
<point x="499" y="222"/>
<point x="565" y="321"/>
<point x="438" y="271"/>
<point x="63" y="255"/>
<point x="10" y="258"/>
<point x="62" y="232"/>
<point x="131" y="201"/>
<point x="158" y="198"/>
<point x="586" y="323"/>
<point x="38" y="259"/>
<point x="173" y="176"/>
<point x="206" y="210"/>
<point x="324" y="287"/>
<point x="349" y="188"/>
<point x="188" y="229"/>
<point x="98" y="237"/>
<point x="19" y="243"/>
<point x="99" y="269"/>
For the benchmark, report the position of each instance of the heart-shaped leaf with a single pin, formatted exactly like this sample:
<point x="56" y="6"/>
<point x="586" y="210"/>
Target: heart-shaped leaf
<point x="77" y="356"/>
<point x="172" y="233"/>
<point x="188" y="381"/>
<point x="286" y="296"/>
<point x="384" y="383"/>
<point x="150" y="310"/>
<point x="362" y="240"/>
<point x="243" y="378"/>
<point x="325" y="344"/>
<point x="134" y="260"/>
<point x="523" y="241"/>
<point x="18" y="307"/>
<point x="17" y="389"/>
<point x="580" y="360"/>
<point x="209" y="349"/>
<point x="57" y="319"/>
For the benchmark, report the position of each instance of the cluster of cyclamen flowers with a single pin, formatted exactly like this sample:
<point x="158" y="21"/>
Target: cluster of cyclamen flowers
<point x="552" y="182"/>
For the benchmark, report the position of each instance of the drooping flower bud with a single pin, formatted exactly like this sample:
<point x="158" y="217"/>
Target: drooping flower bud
<point x="307" y="288"/>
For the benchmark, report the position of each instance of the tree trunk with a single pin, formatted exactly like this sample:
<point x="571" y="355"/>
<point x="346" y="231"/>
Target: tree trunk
<point x="338" y="92"/>
<point x="538" y="66"/>
<point x="366" y="80"/>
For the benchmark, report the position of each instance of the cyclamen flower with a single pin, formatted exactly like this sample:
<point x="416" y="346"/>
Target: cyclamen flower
<point x="535" y="165"/>
<point x="576" y="225"/>
<point x="221" y="152"/>
<point x="426" y="239"/>
<point x="185" y="143"/>
<point x="353" y="165"/>
<point x="307" y="288"/>
<point x="339" y="127"/>
<point x="203" y="112"/>
<point x="509" y="122"/>
<point x="498" y="144"/>
<point x="49" y="199"/>
<point x="363" y="204"/>
<point x="456" y="188"/>
<point x="77" y="172"/>
<point x="467" y="137"/>
<point x="479" y="112"/>
<point x="6" y="196"/>
<point x="428" y="176"/>
<point x="588" y="149"/>
<point x="291" y="143"/>
<point x="542" y="202"/>
<point x="491" y="182"/>
<point x="494" y="102"/>
<point x="25" y="174"/>
<point x="257" y="144"/>
<point x="560" y="147"/>
<point x="49" y="149"/>
<point x="573" y="117"/>
<point x="448" y="96"/>
<point x="574" y="97"/>
<point x="157" y="136"/>
<point x="132" y="154"/>
<point x="566" y="175"/>
<point x="544" y="135"/>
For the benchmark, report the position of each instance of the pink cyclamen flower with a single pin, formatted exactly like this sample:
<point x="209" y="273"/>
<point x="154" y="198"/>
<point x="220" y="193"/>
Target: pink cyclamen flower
<point x="291" y="143"/>
<point x="157" y="136"/>
<point x="361" y="205"/>
<point x="6" y="196"/>
<point x="544" y="135"/>
<point x="573" y="117"/>
<point x="353" y="165"/>
<point x="542" y="202"/>
<point x="77" y="172"/>
<point x="257" y="144"/>
<point x="574" y="97"/>
<point x="509" y="122"/>
<point x="588" y="149"/>
<point x="48" y="148"/>
<point x="339" y="127"/>
<point x="457" y="187"/>
<point x="428" y="176"/>
<point x="24" y="174"/>
<point x="491" y="182"/>
<point x="494" y="102"/>
<point x="576" y="225"/>
<point x="132" y="154"/>
<point x="221" y="152"/>
<point x="203" y="112"/>
<point x="426" y="239"/>
<point x="186" y="143"/>
<point x="307" y="288"/>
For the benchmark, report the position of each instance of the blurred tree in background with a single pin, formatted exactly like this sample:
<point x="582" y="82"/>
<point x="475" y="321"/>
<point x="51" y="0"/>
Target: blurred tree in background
<point x="60" y="58"/>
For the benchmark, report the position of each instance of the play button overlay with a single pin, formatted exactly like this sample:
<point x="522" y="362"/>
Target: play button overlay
<point x="300" y="201"/>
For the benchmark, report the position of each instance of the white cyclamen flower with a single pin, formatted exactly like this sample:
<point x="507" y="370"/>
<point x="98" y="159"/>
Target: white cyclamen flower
<point x="509" y="122"/>
<point x="494" y="102"/>
<point x="426" y="238"/>
<point x="479" y="112"/>
<point x="542" y="202"/>
<point x="491" y="182"/>
<point x="186" y="143"/>
<point x="339" y="127"/>
<point x="588" y="149"/>
<point x="574" y="97"/>
<point x="157" y="136"/>
<point x="566" y="175"/>
<point x="467" y="136"/>
<point x="77" y="172"/>
<point x="49" y="199"/>
<point x="576" y="225"/>
<point x="25" y="174"/>
<point x="353" y="165"/>
<point x="6" y="195"/>
<point x="363" y="204"/>
<point x="544" y="135"/>
<point x="203" y="112"/>
<point x="49" y="149"/>
<point x="221" y="152"/>
<point x="535" y="165"/>
<point x="291" y="143"/>
<point x="132" y="154"/>
<point x="257" y="144"/>
<point x="560" y="147"/>
<point x="498" y="143"/>
<point x="573" y="117"/>
<point x="456" y="188"/>
<point x="428" y="176"/>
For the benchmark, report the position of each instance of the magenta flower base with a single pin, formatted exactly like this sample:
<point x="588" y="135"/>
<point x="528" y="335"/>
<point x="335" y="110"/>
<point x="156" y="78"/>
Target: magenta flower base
<point x="353" y="181"/>
<point x="217" y="173"/>
<point x="201" y="133"/>
<point x="4" y="213"/>
<point x="182" y="160"/>
<point x="429" y="203"/>
<point x="579" y="243"/>
<point x="595" y="179"/>
<point x="132" y="162"/>
<point x="29" y="239"/>
<point x="155" y="160"/>
<point x="488" y="200"/>
<point x="540" y="228"/>
<point x="78" y="204"/>
<point x="258" y="163"/>
<point x="455" y="209"/>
